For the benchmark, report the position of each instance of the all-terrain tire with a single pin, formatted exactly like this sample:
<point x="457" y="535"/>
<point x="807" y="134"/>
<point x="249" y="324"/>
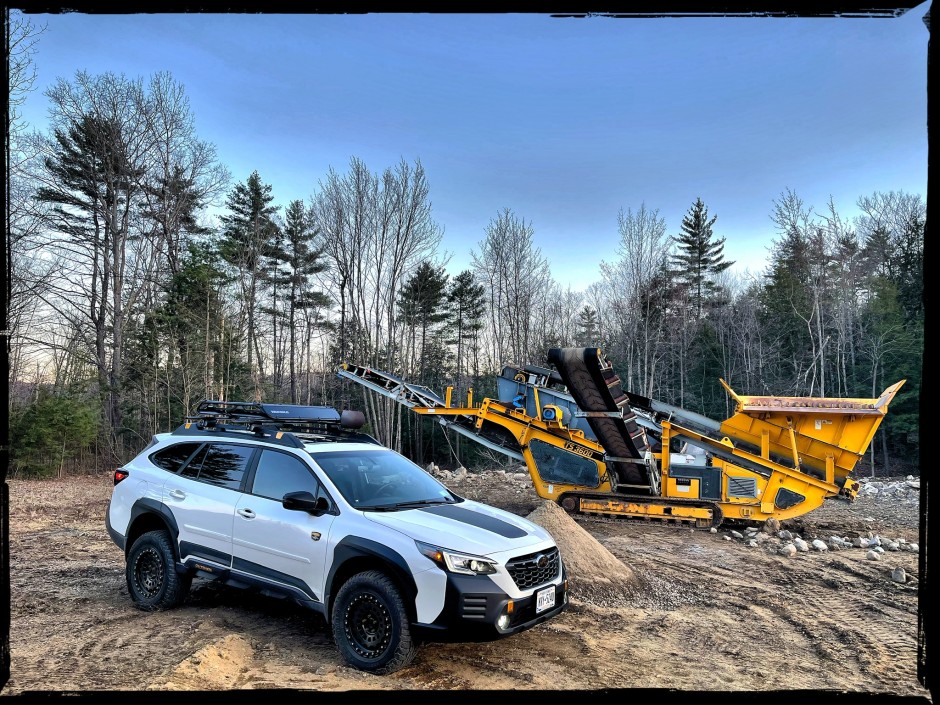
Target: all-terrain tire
<point x="371" y="626"/>
<point x="152" y="580"/>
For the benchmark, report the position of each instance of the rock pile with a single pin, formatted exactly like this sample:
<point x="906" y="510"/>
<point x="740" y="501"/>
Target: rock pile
<point x="907" y="489"/>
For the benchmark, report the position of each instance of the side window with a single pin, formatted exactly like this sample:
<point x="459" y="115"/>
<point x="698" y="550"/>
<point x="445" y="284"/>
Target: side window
<point x="224" y="465"/>
<point x="280" y="473"/>
<point x="192" y="467"/>
<point x="172" y="458"/>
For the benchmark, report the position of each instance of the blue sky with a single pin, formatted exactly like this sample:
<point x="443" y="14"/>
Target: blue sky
<point x="563" y="120"/>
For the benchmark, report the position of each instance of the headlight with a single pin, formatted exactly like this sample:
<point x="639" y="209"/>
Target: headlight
<point x="457" y="562"/>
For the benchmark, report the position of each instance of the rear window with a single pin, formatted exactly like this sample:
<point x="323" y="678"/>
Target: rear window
<point x="173" y="457"/>
<point x="223" y="465"/>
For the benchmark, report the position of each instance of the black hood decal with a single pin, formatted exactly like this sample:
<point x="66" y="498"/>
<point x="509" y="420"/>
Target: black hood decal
<point x="482" y="521"/>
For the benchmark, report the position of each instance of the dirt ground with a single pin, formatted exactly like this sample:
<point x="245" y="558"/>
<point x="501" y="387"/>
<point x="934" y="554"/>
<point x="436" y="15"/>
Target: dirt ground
<point x="706" y="612"/>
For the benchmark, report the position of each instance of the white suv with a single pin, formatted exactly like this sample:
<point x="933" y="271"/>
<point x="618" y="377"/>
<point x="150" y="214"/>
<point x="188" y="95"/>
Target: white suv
<point x="294" y="501"/>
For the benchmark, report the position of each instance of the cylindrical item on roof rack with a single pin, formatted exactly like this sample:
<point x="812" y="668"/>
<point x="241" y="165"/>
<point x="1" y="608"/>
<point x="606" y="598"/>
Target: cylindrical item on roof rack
<point x="350" y="418"/>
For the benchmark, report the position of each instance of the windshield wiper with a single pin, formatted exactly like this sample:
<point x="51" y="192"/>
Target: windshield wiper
<point x="406" y="505"/>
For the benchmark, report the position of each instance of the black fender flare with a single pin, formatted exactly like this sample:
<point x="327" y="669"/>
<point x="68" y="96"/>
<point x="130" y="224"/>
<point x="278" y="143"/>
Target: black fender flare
<point x="146" y="505"/>
<point x="354" y="547"/>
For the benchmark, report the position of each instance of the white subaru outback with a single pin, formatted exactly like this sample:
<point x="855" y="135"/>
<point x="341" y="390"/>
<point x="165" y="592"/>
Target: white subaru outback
<point x="294" y="501"/>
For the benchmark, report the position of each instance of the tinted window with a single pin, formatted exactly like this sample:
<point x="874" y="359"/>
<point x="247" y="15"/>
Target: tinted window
<point x="192" y="468"/>
<point x="224" y="465"/>
<point x="280" y="473"/>
<point x="172" y="458"/>
<point x="557" y="465"/>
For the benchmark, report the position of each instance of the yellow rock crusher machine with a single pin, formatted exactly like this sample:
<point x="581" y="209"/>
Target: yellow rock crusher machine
<point x="597" y="449"/>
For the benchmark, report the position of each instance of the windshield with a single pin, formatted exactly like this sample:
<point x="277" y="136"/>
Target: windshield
<point x="381" y="479"/>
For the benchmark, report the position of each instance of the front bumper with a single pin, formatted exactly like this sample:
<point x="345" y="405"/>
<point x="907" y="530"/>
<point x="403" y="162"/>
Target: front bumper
<point x="474" y="604"/>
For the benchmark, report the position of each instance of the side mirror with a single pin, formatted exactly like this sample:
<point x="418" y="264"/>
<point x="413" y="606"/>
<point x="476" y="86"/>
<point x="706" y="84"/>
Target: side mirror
<point x="306" y="502"/>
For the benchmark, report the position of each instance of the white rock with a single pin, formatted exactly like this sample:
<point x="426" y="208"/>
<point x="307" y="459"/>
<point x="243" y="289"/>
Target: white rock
<point x="872" y="556"/>
<point x="898" y="575"/>
<point x="909" y="477"/>
<point x="752" y="543"/>
<point x="913" y="547"/>
<point x="892" y="546"/>
<point x="785" y="535"/>
<point x="713" y="530"/>
<point x="878" y="549"/>
<point x="788" y="550"/>
<point x="801" y="545"/>
<point x="737" y="534"/>
<point x="859" y="542"/>
<point x="820" y="545"/>
<point x="875" y="540"/>
<point x="727" y="538"/>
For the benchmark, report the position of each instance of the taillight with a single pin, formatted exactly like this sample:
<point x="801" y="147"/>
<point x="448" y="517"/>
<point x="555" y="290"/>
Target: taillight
<point x="120" y="474"/>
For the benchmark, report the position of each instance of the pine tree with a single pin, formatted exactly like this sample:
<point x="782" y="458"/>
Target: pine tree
<point x="466" y="302"/>
<point x="701" y="255"/>
<point x="588" y="330"/>
<point x="421" y="306"/>
<point x="303" y="259"/>
<point x="246" y="241"/>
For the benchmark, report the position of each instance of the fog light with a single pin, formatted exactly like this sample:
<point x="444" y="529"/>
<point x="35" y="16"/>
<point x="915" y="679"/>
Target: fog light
<point x="503" y="621"/>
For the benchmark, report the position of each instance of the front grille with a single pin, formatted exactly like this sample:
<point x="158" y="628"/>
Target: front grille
<point x="527" y="573"/>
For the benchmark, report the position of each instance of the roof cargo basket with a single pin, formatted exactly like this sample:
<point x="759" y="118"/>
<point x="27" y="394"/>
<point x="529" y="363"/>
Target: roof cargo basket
<point x="289" y="424"/>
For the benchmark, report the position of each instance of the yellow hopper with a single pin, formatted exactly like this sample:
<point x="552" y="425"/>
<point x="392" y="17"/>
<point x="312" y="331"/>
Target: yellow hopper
<point x="825" y="437"/>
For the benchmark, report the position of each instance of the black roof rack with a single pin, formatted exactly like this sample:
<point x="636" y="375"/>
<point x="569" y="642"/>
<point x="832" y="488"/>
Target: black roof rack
<point x="258" y="431"/>
<point x="288" y="424"/>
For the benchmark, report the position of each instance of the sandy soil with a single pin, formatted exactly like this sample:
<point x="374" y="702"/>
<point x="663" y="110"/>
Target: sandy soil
<point x="686" y="610"/>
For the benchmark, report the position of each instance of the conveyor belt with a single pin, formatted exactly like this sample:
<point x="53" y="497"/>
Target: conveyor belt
<point x="411" y="395"/>
<point x="596" y="389"/>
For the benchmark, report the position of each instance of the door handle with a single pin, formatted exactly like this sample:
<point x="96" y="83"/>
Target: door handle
<point x="247" y="513"/>
<point x="177" y="494"/>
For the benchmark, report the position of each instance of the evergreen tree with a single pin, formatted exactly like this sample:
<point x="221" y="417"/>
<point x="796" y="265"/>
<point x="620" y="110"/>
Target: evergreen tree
<point x="303" y="259"/>
<point x="466" y="303"/>
<point x="249" y="236"/>
<point x="422" y="308"/>
<point x="701" y="255"/>
<point x="588" y="327"/>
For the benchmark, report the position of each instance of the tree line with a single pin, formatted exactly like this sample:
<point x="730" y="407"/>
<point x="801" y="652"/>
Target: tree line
<point x="142" y="277"/>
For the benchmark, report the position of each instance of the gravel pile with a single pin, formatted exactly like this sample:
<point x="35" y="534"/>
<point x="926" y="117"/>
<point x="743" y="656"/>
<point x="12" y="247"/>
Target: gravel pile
<point x="595" y="574"/>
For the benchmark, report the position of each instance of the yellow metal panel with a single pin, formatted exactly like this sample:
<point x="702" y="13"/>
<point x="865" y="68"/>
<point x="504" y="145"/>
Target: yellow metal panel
<point x="644" y="510"/>
<point x="674" y="489"/>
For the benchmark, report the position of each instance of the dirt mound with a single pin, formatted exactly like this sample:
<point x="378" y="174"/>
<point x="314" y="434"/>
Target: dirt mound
<point x="595" y="575"/>
<point x="220" y="665"/>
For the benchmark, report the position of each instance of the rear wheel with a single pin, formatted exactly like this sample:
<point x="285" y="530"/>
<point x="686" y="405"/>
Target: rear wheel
<point x="370" y="624"/>
<point x="152" y="580"/>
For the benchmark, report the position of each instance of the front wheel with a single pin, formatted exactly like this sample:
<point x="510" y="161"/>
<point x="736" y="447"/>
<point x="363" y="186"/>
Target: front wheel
<point x="152" y="580"/>
<point x="370" y="624"/>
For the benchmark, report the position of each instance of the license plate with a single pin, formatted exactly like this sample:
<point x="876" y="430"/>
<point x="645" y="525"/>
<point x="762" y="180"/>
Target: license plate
<point x="544" y="599"/>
